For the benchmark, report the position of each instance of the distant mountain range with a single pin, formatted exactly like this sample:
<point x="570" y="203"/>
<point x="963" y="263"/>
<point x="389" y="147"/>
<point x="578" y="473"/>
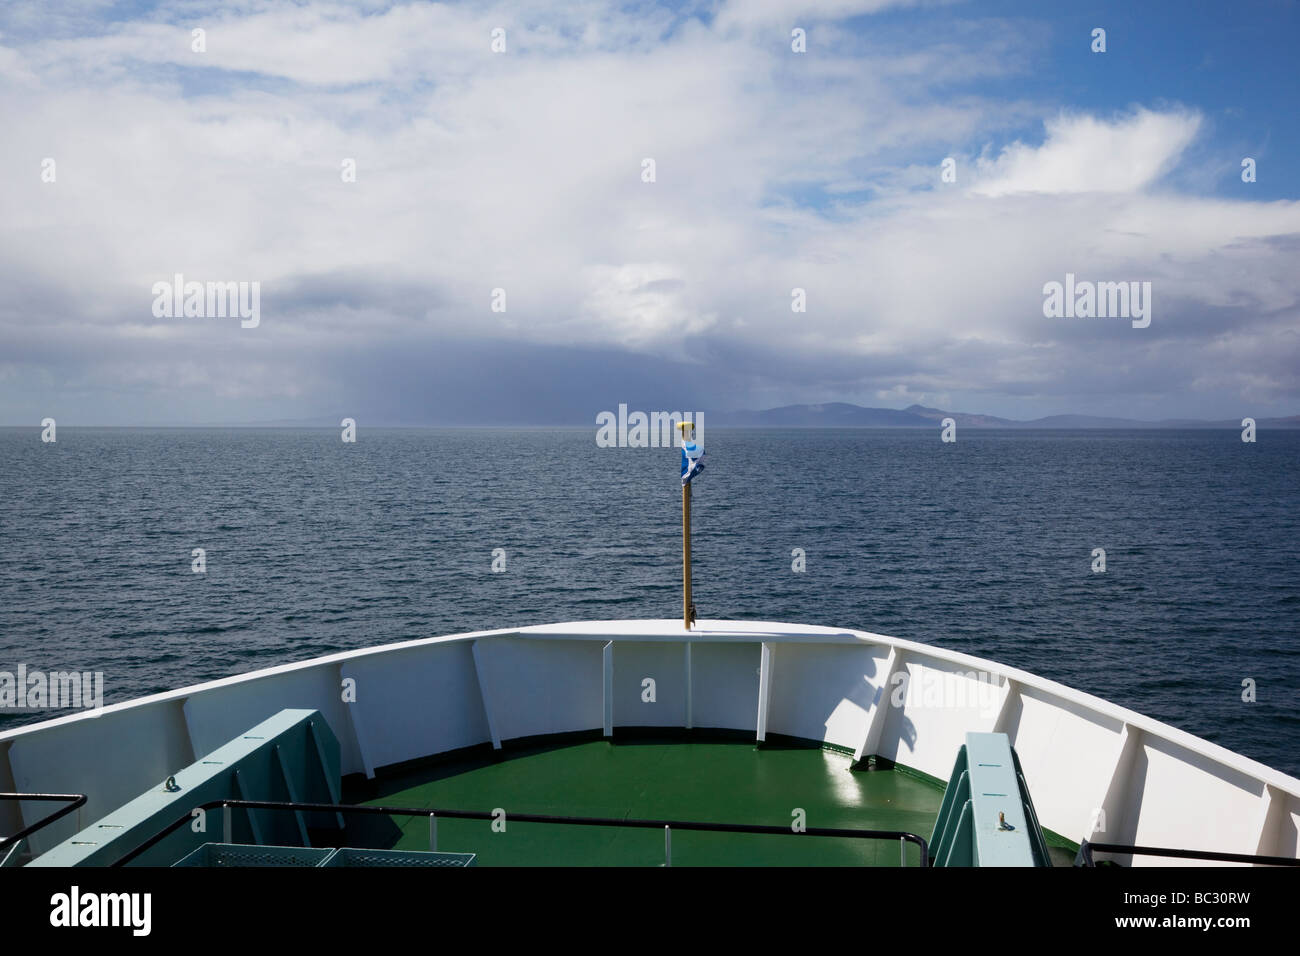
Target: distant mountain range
<point x="827" y="415"/>
<point x="843" y="414"/>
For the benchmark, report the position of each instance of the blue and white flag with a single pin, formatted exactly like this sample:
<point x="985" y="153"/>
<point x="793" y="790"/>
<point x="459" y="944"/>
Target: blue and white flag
<point x="692" y="460"/>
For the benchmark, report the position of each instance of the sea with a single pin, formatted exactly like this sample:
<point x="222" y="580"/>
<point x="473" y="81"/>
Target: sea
<point x="987" y="545"/>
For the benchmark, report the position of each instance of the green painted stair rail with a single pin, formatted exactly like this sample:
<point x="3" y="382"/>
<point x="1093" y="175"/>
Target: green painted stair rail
<point x="292" y="756"/>
<point x="987" y="817"/>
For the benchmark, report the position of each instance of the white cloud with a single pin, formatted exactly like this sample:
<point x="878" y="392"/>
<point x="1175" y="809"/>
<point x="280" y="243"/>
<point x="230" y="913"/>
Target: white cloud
<point x="478" y="171"/>
<point x="792" y="13"/>
<point x="1084" y="153"/>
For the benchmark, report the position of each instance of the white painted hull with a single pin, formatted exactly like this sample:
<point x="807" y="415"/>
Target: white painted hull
<point x="1095" y="770"/>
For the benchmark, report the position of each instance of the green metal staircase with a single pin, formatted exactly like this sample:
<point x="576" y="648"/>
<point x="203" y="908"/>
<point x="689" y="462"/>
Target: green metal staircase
<point x="292" y="755"/>
<point x="987" y="817"/>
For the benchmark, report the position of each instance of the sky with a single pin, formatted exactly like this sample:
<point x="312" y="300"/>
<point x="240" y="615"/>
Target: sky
<point x="441" y="232"/>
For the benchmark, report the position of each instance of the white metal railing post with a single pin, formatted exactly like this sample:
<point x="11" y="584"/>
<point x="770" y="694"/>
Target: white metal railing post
<point x="433" y="832"/>
<point x="902" y="851"/>
<point x="668" y="845"/>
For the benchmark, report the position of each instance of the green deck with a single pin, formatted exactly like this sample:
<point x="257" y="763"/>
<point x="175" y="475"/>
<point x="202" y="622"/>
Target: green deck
<point x="724" y="782"/>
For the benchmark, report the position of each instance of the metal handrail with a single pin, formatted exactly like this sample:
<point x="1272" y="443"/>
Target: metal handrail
<point x="1086" y="849"/>
<point x="75" y="801"/>
<point x="433" y="814"/>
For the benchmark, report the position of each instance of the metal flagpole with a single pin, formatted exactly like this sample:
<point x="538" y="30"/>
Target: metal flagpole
<point x="688" y="611"/>
<point x="688" y="606"/>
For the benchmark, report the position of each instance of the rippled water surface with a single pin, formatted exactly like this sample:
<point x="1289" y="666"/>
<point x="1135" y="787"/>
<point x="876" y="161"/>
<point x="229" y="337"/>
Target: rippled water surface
<point x="983" y="546"/>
